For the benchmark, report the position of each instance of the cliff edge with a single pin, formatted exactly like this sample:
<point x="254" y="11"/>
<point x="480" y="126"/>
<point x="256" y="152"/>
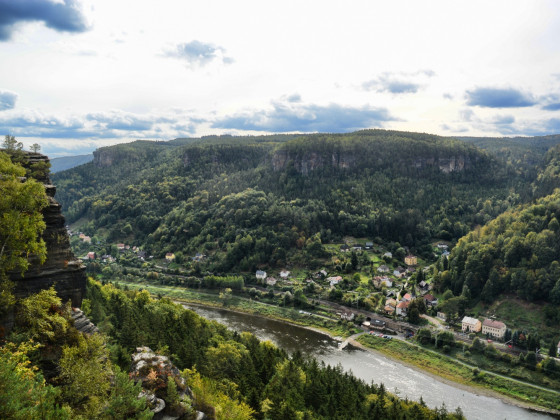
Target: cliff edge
<point x="61" y="267"/>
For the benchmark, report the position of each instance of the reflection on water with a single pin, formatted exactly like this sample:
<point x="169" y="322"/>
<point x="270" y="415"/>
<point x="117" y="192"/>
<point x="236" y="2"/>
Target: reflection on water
<point x="371" y="367"/>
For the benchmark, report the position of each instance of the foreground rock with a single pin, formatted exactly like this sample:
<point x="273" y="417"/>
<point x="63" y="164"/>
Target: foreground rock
<point x="164" y="387"/>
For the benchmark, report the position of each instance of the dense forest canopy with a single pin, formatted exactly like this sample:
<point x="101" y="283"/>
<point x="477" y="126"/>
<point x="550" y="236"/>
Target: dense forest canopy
<point x="518" y="252"/>
<point x="255" y="200"/>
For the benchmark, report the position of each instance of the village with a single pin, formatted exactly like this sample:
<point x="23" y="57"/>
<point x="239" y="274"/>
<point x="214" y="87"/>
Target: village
<point x="378" y="297"/>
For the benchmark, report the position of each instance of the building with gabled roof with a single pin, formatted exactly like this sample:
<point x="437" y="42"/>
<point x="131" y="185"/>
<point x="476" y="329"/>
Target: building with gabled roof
<point x="496" y="329"/>
<point x="469" y="324"/>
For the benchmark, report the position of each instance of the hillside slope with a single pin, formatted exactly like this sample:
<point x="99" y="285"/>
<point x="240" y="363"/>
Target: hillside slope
<point x="251" y="201"/>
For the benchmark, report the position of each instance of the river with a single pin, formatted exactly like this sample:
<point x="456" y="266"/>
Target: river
<point x="397" y="378"/>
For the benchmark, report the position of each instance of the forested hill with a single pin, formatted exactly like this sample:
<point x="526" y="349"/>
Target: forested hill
<point x="517" y="252"/>
<point x="252" y="200"/>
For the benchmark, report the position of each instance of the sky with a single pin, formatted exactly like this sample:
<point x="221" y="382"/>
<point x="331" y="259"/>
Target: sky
<point x="82" y="74"/>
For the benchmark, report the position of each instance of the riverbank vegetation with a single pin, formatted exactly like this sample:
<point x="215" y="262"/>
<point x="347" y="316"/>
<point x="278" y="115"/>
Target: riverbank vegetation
<point x="273" y="384"/>
<point x="449" y="368"/>
<point x="319" y="319"/>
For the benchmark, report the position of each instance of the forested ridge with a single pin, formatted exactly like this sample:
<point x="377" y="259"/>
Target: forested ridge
<point x="213" y="195"/>
<point x="517" y="252"/>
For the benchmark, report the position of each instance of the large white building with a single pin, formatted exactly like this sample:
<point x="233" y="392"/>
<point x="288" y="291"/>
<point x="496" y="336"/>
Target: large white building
<point x="469" y="324"/>
<point x="496" y="329"/>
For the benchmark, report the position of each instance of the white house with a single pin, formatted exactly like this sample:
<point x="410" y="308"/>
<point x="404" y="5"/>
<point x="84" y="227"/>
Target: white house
<point x="469" y="324"/>
<point x="261" y="275"/>
<point x="494" y="328"/>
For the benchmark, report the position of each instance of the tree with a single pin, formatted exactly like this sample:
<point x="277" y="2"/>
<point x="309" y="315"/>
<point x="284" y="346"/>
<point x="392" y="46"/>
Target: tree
<point x="552" y="350"/>
<point x="23" y="392"/>
<point x="21" y="224"/>
<point x="35" y="148"/>
<point x="11" y="144"/>
<point x="424" y="336"/>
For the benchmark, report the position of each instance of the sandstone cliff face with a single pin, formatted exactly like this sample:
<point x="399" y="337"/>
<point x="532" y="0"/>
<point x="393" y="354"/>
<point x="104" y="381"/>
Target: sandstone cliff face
<point x="309" y="161"/>
<point x="61" y="268"/>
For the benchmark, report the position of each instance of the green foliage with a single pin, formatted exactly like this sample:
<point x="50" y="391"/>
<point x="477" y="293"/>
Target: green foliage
<point x="517" y="252"/>
<point x="41" y="317"/>
<point x="228" y="200"/>
<point x="23" y="391"/>
<point x="240" y="376"/>
<point x="21" y="221"/>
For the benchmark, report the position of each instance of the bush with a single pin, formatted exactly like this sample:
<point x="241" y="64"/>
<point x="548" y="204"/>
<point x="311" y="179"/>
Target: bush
<point x="446" y="348"/>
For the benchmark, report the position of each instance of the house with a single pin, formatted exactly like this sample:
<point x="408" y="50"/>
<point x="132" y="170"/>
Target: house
<point x="496" y="329"/>
<point x="170" y="256"/>
<point x="260" y="275"/>
<point x="334" y="280"/>
<point x="348" y="316"/>
<point x="357" y="248"/>
<point x="383" y="269"/>
<point x="389" y="310"/>
<point x="430" y="300"/>
<point x="120" y="247"/>
<point x="198" y="257"/>
<point x="344" y="248"/>
<point x="402" y="308"/>
<point x="369" y="245"/>
<point x="388" y="255"/>
<point x="410" y="270"/>
<point x="284" y="274"/>
<point x="469" y="324"/>
<point x="141" y="254"/>
<point x="320" y="274"/>
<point x="441" y="245"/>
<point x="91" y="255"/>
<point x="86" y="239"/>
<point x="407" y="297"/>
<point x="271" y="281"/>
<point x="410" y="260"/>
<point x="379" y="281"/>
<point x="399" y="272"/>
<point x="391" y="302"/>
<point x="445" y="254"/>
<point x="423" y="285"/>
<point x="135" y="249"/>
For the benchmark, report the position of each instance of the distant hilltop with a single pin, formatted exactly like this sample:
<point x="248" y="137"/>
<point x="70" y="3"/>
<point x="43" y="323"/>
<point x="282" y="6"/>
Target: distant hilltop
<point x="68" y="162"/>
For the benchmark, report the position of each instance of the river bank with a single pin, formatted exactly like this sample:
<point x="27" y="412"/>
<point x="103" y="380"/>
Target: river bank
<point x="446" y="372"/>
<point x="450" y="379"/>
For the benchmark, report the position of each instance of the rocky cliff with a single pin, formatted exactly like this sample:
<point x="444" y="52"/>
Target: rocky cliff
<point x="309" y="161"/>
<point x="61" y="268"/>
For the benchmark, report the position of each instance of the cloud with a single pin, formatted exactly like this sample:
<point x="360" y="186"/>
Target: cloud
<point x="113" y="124"/>
<point x="62" y="15"/>
<point x="297" y="117"/>
<point x="499" y="98"/>
<point x="551" y="102"/>
<point x="7" y="100"/>
<point x="397" y="83"/>
<point x="199" y="54"/>
<point x="503" y="120"/>
<point x="118" y="120"/>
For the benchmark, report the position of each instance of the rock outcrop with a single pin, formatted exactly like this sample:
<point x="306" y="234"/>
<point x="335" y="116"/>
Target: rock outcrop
<point x="61" y="268"/>
<point x="308" y="161"/>
<point x="82" y="323"/>
<point x="155" y="372"/>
